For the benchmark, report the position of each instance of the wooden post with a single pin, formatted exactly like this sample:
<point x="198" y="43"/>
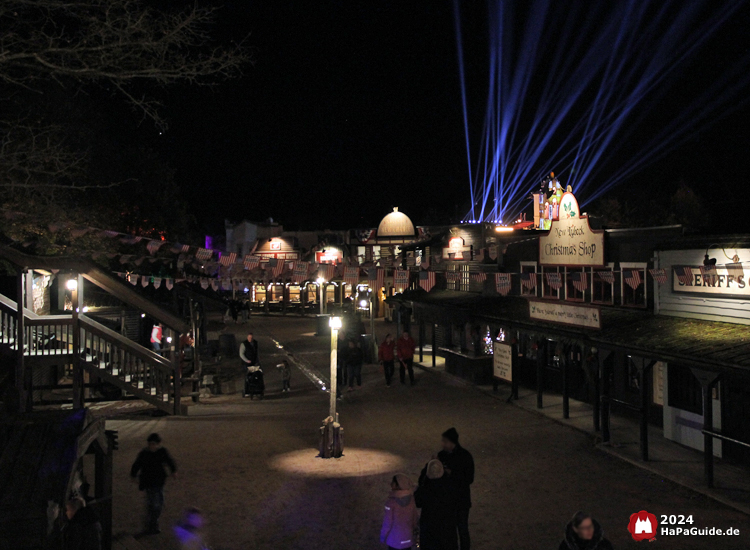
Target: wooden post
<point x="707" y="380"/>
<point x="541" y="358"/>
<point x="421" y="341"/>
<point x="104" y="467"/>
<point x="23" y="392"/>
<point x="565" y="389"/>
<point x="434" y="345"/>
<point x="645" y="399"/>
<point x="605" y="401"/>
<point x="29" y="294"/>
<point x="176" y="371"/>
<point x="78" y="397"/>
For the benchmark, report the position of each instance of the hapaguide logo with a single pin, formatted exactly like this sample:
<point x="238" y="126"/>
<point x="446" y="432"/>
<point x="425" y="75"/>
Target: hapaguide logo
<point x="642" y="526"/>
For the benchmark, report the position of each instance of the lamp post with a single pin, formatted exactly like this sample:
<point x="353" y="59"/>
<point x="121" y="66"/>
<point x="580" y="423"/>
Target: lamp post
<point x="331" y="433"/>
<point x="335" y="324"/>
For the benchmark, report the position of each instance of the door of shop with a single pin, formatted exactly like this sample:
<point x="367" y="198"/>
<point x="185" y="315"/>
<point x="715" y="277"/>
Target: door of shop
<point x="735" y="410"/>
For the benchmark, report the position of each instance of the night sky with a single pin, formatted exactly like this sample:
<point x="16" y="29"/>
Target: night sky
<point x="354" y="107"/>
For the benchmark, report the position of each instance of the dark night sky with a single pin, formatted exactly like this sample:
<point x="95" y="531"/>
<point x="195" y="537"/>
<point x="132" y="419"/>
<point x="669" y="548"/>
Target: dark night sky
<point x="354" y="107"/>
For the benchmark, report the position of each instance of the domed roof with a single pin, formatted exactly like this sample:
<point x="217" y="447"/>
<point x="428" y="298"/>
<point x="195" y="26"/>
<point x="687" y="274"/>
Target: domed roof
<point x="396" y="224"/>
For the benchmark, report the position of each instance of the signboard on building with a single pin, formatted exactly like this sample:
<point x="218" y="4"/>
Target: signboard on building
<point x="560" y="312"/>
<point x="456" y="249"/>
<point x="659" y="370"/>
<point x="502" y="361"/>
<point x="722" y="281"/>
<point x="331" y="255"/>
<point x="571" y="241"/>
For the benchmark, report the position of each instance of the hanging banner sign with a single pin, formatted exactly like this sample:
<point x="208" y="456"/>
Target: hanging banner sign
<point x="502" y="361"/>
<point x="558" y="312"/>
<point x="570" y="240"/>
<point x="722" y="281"/>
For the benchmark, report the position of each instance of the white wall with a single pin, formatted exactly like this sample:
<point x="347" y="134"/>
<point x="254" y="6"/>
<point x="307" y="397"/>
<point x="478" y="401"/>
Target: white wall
<point x="685" y="427"/>
<point x="731" y="310"/>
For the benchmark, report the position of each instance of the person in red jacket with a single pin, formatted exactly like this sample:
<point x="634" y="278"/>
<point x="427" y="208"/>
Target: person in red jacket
<point x="386" y="357"/>
<point x="405" y="353"/>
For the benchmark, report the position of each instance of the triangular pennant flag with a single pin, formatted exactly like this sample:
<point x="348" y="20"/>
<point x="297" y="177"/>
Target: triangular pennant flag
<point x="204" y="283"/>
<point x="169" y="284"/>
<point x="144" y="281"/>
<point x="157" y="282"/>
<point x="132" y="278"/>
<point x="215" y="284"/>
<point x="153" y="246"/>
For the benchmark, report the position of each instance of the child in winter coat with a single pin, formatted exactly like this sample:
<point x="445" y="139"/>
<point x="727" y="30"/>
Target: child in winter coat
<point x="401" y="518"/>
<point x="286" y="375"/>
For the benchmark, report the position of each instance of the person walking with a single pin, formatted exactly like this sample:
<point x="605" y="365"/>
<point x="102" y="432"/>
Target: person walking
<point x="436" y="497"/>
<point x="150" y="467"/>
<point x="354" y="359"/>
<point x="386" y="357"/>
<point x="459" y="465"/>
<point x="157" y="333"/>
<point x="401" y="518"/>
<point x="584" y="533"/>
<point x="253" y="373"/>
<point x="286" y="375"/>
<point x="405" y="352"/>
<point x="83" y="530"/>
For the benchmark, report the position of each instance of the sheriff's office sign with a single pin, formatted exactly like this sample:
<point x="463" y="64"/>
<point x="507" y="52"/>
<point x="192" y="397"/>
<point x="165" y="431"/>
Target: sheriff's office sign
<point x="571" y="241"/>
<point x="723" y="281"/>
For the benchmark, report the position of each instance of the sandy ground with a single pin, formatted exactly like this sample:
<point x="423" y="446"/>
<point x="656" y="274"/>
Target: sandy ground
<point x="252" y="466"/>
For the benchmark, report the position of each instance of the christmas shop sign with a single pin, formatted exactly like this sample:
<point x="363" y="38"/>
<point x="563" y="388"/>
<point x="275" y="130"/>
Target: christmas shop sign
<point x="570" y="240"/>
<point x="502" y="361"/>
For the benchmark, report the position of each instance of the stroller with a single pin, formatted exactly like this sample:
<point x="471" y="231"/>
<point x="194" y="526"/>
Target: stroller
<point x="254" y="384"/>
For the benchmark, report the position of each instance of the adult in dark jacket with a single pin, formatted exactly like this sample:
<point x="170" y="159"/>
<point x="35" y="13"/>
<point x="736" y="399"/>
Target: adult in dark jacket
<point x="459" y="466"/>
<point x="436" y="497"/>
<point x="253" y="374"/>
<point x="584" y="533"/>
<point x="151" y="469"/>
<point x="83" y="530"/>
<point x="354" y="360"/>
<point x="249" y="351"/>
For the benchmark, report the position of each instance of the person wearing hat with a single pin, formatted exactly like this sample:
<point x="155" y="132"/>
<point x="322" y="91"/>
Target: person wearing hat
<point x="401" y="517"/>
<point x="459" y="465"/>
<point x="151" y="470"/>
<point x="436" y="497"/>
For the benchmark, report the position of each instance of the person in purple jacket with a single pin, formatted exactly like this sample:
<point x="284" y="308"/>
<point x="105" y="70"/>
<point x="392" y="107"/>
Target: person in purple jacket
<point x="400" y="518"/>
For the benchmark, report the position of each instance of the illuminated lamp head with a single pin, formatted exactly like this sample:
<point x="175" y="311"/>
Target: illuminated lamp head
<point x="552" y="174"/>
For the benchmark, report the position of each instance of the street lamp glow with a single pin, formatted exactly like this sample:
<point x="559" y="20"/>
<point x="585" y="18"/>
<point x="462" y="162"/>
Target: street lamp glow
<point x="334" y="323"/>
<point x="71" y="284"/>
<point x="363" y="303"/>
<point x="320" y="280"/>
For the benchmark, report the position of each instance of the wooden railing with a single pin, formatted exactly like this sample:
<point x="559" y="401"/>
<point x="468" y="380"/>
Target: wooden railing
<point x="100" y="350"/>
<point x="115" y="358"/>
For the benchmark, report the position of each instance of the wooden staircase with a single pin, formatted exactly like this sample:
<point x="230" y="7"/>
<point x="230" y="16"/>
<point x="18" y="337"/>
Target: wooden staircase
<point x="82" y="342"/>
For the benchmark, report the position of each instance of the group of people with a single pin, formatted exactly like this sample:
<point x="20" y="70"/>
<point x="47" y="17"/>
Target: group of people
<point x="401" y="350"/>
<point x="238" y="309"/>
<point x="443" y="493"/>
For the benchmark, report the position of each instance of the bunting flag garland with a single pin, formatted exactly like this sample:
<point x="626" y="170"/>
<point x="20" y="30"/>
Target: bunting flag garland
<point x="226" y="284"/>
<point x="426" y="279"/>
<point x="125" y="258"/>
<point x="554" y="280"/>
<point x="606" y="276"/>
<point x="528" y="280"/>
<point x="632" y="278"/>
<point x="375" y="276"/>
<point x="425" y="263"/>
<point x="228" y="259"/>
<point x="144" y="281"/>
<point x="251" y="262"/>
<point x="169" y="284"/>
<point x="109" y="233"/>
<point x="215" y="284"/>
<point x="708" y="270"/>
<point x="79" y="231"/>
<point x="300" y="272"/>
<point x="326" y="271"/>
<point x="401" y="278"/>
<point x="132" y="239"/>
<point x="364" y="235"/>
<point x="139" y="260"/>
<point x="204" y="254"/>
<point x="659" y="275"/>
<point x="502" y="283"/>
<point x="157" y="282"/>
<point x="178" y="248"/>
<point x="132" y="278"/>
<point x="291" y="266"/>
<point x="479" y="277"/>
<point x="351" y="276"/>
<point x="580" y="281"/>
<point x="437" y="259"/>
<point x="735" y="270"/>
<point x="684" y="275"/>
<point x="204" y="283"/>
<point x="154" y="246"/>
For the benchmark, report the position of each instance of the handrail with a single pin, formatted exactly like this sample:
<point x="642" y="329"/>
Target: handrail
<point x="10" y="304"/>
<point x="725" y="438"/>
<point x="126" y="343"/>
<point x="45" y="320"/>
